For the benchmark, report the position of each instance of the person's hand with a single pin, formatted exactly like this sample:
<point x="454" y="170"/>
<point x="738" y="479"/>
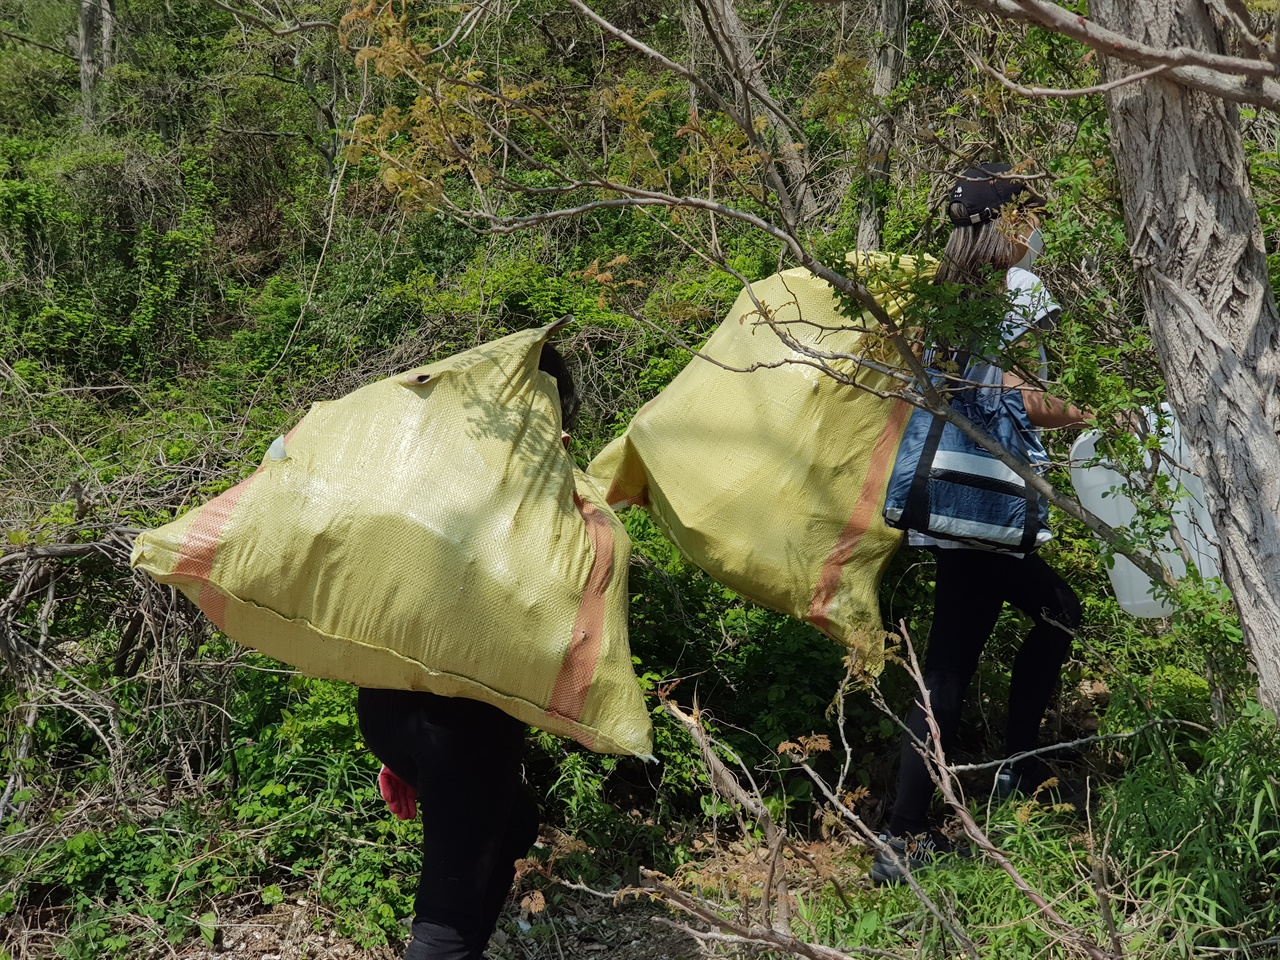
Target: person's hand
<point x="1132" y="421"/>
<point x="402" y="799"/>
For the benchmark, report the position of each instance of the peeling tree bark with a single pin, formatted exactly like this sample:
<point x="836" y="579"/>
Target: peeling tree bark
<point x="1197" y="243"/>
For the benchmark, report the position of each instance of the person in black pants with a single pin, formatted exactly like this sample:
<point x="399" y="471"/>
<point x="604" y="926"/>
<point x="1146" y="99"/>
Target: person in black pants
<point x="995" y="236"/>
<point x="460" y="760"/>
<point x="463" y="759"/>
<point x="971" y="588"/>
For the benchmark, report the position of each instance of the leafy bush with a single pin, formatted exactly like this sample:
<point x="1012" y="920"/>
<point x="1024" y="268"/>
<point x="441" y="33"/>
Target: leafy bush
<point x="1199" y="838"/>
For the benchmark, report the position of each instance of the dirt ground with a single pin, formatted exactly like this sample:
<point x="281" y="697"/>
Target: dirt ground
<point x="576" y="926"/>
<point x="573" y="925"/>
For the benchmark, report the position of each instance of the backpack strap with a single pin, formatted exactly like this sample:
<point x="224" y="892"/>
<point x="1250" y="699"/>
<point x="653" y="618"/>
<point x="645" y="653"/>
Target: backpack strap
<point x="1031" y="522"/>
<point x="915" y="514"/>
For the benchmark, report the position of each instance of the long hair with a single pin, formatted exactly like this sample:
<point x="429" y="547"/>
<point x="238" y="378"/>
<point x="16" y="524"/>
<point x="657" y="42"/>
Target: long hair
<point x="976" y="259"/>
<point x="975" y="253"/>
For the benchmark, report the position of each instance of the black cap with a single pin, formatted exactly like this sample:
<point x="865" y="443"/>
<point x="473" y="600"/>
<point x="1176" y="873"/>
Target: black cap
<point x="986" y="188"/>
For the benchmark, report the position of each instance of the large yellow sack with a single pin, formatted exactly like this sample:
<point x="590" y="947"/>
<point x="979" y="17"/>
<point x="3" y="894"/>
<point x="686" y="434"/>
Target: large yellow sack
<point x="773" y="481"/>
<point x="426" y="533"/>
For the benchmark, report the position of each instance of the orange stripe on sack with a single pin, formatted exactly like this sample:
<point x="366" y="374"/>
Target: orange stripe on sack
<point x="199" y="546"/>
<point x="617" y="501"/>
<point x="579" y="667"/>
<point x="863" y="513"/>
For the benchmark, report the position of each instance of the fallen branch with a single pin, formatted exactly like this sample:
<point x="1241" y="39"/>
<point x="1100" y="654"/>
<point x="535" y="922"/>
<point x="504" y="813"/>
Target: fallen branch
<point x="1082" y="742"/>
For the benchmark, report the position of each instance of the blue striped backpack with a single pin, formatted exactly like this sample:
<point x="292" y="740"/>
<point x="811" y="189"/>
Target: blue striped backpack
<point x="945" y="486"/>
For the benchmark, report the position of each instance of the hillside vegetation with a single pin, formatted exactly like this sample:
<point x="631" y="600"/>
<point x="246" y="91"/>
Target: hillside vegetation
<point x="235" y="220"/>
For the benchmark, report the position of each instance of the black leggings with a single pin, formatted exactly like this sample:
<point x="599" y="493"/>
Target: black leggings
<point x="463" y="757"/>
<point x="971" y="588"/>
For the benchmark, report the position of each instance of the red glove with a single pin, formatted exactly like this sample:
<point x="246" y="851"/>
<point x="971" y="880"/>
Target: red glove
<point x="402" y="799"/>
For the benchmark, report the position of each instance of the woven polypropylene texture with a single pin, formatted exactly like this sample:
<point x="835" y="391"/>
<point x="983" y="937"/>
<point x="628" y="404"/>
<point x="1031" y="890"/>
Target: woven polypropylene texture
<point x="773" y="481"/>
<point x="427" y="532"/>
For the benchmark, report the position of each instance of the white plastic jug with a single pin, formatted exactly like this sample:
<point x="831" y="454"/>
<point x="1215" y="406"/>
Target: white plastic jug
<point x="1101" y="490"/>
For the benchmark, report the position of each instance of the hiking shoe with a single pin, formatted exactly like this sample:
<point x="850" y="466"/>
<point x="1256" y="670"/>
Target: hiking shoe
<point x="1040" y="784"/>
<point x="911" y="852"/>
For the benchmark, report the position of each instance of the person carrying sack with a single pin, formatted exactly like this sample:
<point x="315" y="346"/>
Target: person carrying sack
<point x="428" y="539"/>
<point x="994" y="238"/>
<point x="460" y="760"/>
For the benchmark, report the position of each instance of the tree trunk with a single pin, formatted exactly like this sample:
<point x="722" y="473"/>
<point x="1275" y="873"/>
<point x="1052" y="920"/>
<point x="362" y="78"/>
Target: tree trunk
<point x="108" y="33"/>
<point x="892" y="31"/>
<point x="1197" y="242"/>
<point x="87" y="55"/>
<point x="742" y="64"/>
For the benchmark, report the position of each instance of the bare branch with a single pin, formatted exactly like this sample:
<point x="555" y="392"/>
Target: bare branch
<point x="53" y="550"/>
<point x="872" y="839"/>
<point x="1072" y="744"/>
<point x="1068" y="92"/>
<point x="464" y="28"/>
<point x="1062" y="21"/>
<point x="775" y="885"/>
<point x="1098" y="875"/>
<point x="667" y="64"/>
<point x="736" y="934"/>
<point x="1237" y="14"/>
<point x="742" y="121"/>
<point x="266" y="24"/>
<point x="729" y="35"/>
<point x="37" y="44"/>
<point x="1238" y="79"/>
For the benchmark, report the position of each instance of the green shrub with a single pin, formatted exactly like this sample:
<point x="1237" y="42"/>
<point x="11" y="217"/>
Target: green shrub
<point x="1200" y="837"/>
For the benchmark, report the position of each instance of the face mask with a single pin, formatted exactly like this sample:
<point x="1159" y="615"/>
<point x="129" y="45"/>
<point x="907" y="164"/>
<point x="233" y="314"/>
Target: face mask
<point x="1035" y="244"/>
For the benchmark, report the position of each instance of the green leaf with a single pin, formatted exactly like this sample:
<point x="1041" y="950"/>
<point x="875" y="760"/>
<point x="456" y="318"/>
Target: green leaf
<point x="208" y="924"/>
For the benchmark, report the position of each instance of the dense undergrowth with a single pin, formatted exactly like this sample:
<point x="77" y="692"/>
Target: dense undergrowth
<point x="185" y="270"/>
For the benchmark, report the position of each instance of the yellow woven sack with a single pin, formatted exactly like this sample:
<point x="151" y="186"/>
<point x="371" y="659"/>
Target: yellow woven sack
<point x="426" y="533"/>
<point x="773" y="481"/>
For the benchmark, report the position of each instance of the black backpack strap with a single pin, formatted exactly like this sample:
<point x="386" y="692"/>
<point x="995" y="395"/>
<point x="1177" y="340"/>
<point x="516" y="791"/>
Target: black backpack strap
<point x="915" y="515"/>
<point x="1031" y="523"/>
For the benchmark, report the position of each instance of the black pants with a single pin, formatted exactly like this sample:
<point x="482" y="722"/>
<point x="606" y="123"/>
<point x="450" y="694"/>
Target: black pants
<point x="971" y="588"/>
<point x="464" y="759"/>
